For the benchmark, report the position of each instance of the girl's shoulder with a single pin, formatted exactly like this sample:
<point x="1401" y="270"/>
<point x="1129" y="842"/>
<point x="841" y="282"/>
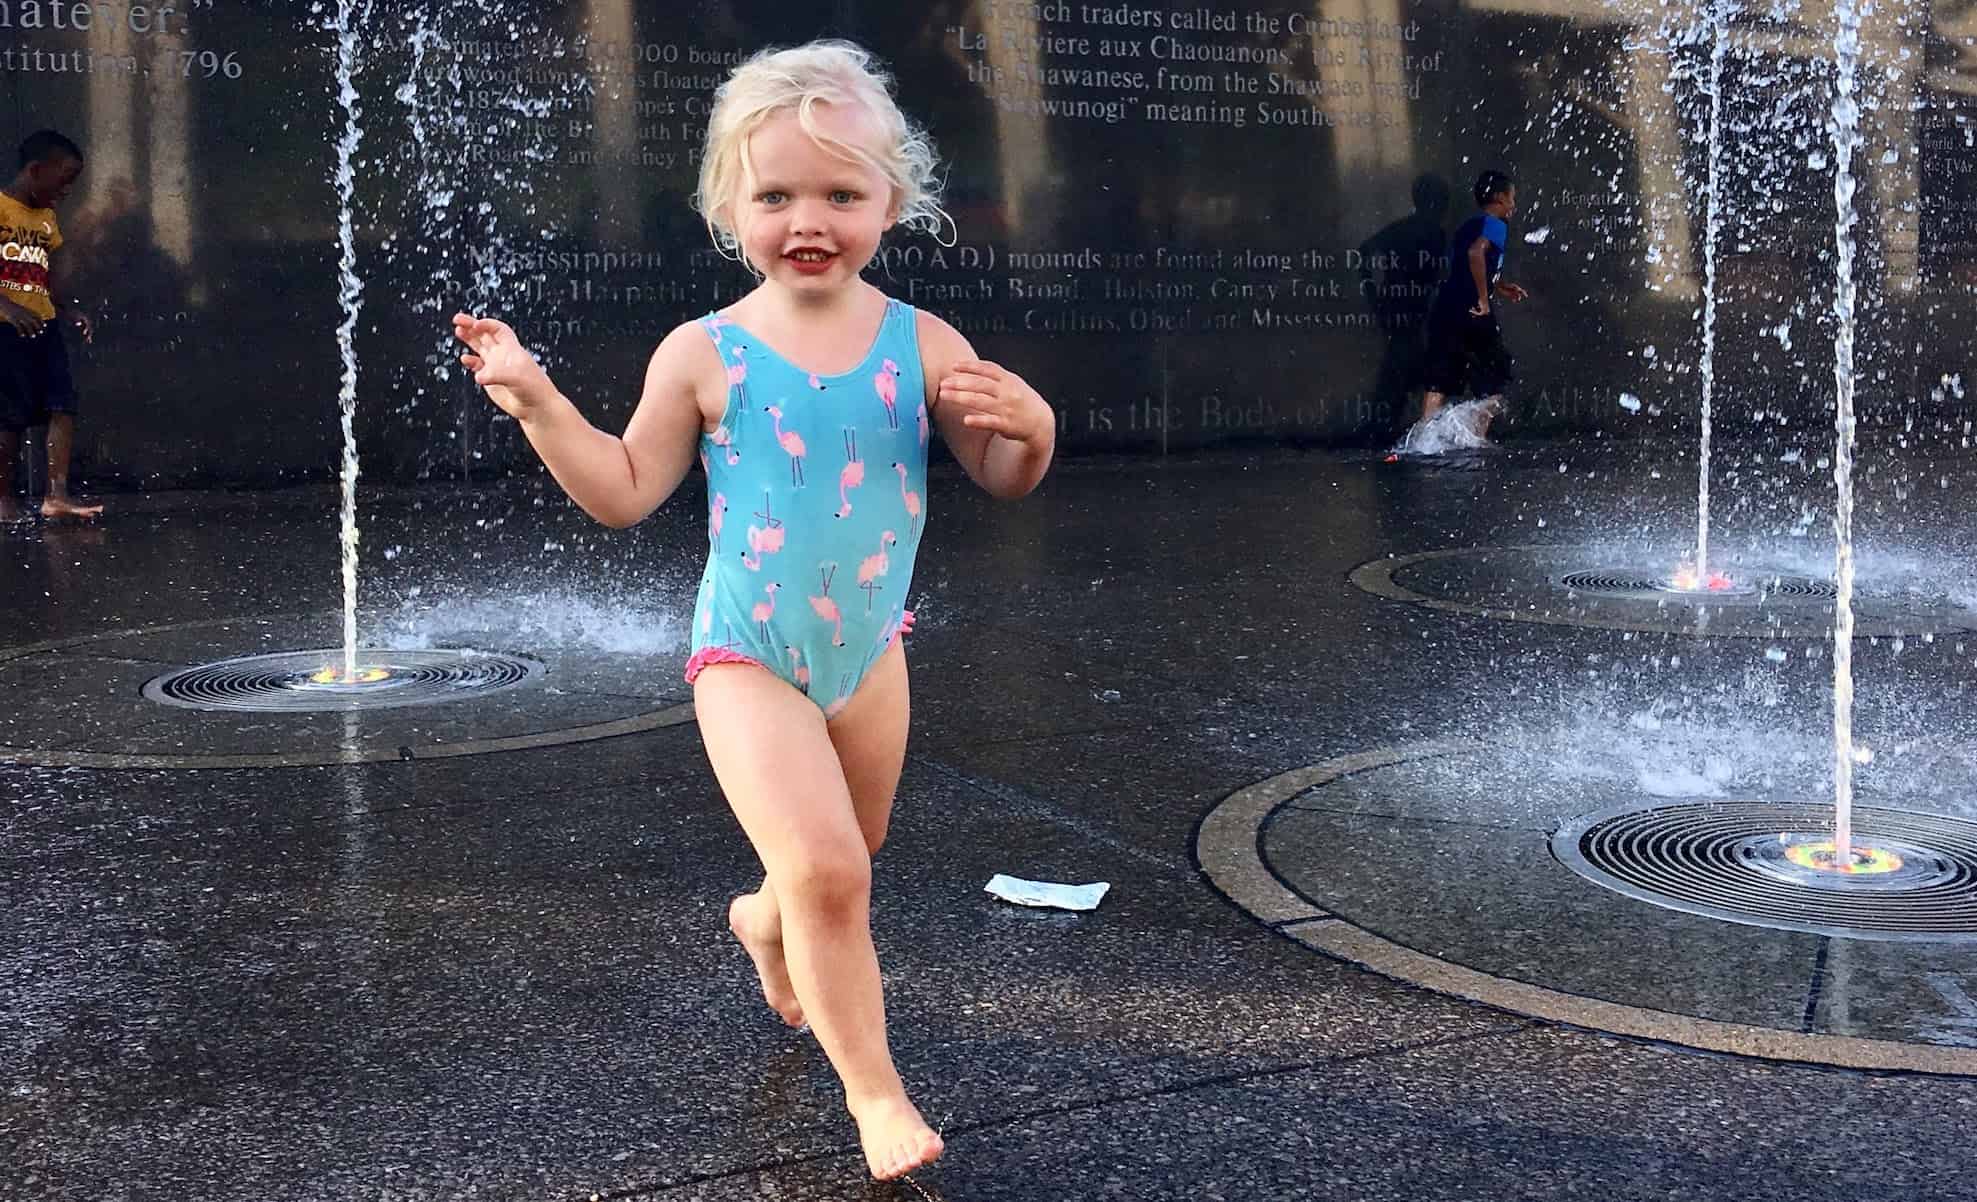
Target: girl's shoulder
<point x="939" y="341"/>
<point x="688" y="361"/>
<point x="696" y="339"/>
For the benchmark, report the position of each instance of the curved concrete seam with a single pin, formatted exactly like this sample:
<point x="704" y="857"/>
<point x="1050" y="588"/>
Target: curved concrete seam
<point x="1359" y="946"/>
<point x="1228" y="845"/>
<point x="24" y="649"/>
<point x="34" y="757"/>
<point x="1225" y="845"/>
<point x="673" y="715"/>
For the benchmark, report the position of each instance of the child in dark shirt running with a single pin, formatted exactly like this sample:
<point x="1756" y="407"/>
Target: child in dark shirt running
<point x="1466" y="355"/>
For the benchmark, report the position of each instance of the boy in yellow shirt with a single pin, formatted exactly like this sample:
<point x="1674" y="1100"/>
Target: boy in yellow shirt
<point x="35" y="384"/>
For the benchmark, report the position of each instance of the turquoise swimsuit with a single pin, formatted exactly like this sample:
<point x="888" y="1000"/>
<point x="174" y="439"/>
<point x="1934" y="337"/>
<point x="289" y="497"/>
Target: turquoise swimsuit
<point x="816" y="490"/>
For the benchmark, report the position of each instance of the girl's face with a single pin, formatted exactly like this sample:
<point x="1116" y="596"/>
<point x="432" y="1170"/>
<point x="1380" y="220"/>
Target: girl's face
<point x="810" y="220"/>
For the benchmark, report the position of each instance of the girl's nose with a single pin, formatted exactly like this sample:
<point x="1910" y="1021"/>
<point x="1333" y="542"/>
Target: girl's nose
<point x="806" y="217"/>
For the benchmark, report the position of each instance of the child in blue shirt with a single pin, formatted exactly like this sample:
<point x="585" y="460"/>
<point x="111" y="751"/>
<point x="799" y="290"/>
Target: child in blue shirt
<point x="1466" y="354"/>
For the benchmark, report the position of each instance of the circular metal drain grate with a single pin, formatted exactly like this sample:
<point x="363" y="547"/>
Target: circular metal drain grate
<point x="1642" y="587"/>
<point x="1727" y="860"/>
<point x="293" y="681"/>
<point x="1799" y="586"/>
<point x="1618" y="584"/>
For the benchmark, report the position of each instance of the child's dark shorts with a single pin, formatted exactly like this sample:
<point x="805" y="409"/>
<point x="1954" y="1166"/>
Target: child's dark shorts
<point x="1466" y="355"/>
<point x="34" y="377"/>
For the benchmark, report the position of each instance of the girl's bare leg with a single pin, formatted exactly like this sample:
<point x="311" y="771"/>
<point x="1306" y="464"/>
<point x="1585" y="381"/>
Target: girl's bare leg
<point x="757" y="922"/>
<point x="778" y="765"/>
<point x="870" y="737"/>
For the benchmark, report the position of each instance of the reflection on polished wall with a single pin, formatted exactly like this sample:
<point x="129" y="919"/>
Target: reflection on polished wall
<point x="1191" y="222"/>
<point x="1376" y="84"/>
<point x="618" y="181"/>
<point x="139" y="131"/>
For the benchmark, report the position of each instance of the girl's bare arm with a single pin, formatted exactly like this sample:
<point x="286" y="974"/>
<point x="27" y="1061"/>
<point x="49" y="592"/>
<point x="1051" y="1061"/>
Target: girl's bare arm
<point x="617" y="480"/>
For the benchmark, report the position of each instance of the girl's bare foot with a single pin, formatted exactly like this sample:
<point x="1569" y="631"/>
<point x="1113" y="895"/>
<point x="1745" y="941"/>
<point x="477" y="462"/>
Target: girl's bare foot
<point x="765" y="946"/>
<point x="896" y="1139"/>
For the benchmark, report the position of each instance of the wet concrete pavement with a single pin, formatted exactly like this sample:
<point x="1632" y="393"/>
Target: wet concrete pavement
<point x="507" y="975"/>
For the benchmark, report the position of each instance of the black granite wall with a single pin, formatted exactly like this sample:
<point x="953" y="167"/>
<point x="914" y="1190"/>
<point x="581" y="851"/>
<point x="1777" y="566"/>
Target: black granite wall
<point x="1189" y="223"/>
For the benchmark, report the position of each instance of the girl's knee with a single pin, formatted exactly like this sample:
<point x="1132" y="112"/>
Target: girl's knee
<point x="837" y="880"/>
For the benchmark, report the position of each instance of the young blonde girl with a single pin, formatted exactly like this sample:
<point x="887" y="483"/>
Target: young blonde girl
<point x="787" y="397"/>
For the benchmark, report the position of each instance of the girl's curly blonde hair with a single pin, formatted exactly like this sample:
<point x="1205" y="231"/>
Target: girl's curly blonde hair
<point x="800" y="78"/>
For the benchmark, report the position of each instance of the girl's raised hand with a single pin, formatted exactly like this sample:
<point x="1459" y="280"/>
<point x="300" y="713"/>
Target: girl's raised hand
<point x="502" y="365"/>
<point x="997" y="399"/>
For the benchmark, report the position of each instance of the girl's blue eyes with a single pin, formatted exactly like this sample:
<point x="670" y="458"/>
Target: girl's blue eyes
<point x="775" y="198"/>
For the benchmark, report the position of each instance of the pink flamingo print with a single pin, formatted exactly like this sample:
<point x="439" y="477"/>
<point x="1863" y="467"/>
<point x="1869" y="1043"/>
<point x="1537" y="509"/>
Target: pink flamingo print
<point x="907" y="495"/>
<point x="766" y="539"/>
<point x="797" y="667"/>
<point x="724" y="438"/>
<point x="717" y="516"/>
<point x="875" y="566"/>
<point x="792" y="444"/>
<point x="761" y="541"/>
<point x="852" y="475"/>
<point x="826" y="608"/>
<point x="764" y="610"/>
<point x="887" y="384"/>
<point x="923" y="423"/>
<point x="738" y="370"/>
<point x="815" y="382"/>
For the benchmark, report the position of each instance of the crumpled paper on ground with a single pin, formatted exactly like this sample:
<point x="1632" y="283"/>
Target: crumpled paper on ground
<point x="1047" y="893"/>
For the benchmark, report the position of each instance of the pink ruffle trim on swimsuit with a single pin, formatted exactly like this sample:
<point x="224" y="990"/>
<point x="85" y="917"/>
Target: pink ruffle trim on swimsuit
<point x="708" y="656"/>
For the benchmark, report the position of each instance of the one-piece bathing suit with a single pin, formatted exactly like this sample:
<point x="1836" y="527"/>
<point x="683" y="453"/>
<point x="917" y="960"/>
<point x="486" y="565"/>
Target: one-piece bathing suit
<point x="815" y="505"/>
